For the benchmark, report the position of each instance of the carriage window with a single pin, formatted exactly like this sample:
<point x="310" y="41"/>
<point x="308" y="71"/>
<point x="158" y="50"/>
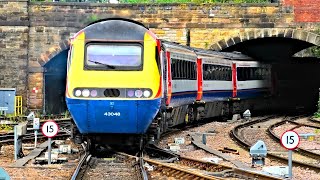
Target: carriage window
<point x="114" y="56"/>
<point x="188" y="75"/>
<point x="173" y="67"/>
<point x="217" y="72"/>
<point x="193" y="70"/>
<point x="251" y="73"/>
<point x="184" y="69"/>
<point x="181" y="69"/>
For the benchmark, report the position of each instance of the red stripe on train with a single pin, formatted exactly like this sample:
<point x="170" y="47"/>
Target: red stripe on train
<point x="169" y="78"/>
<point x="200" y="80"/>
<point x="234" y="80"/>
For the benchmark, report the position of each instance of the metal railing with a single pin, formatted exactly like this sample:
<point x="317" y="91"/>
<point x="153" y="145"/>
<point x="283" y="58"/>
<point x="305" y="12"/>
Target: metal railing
<point x="18" y="106"/>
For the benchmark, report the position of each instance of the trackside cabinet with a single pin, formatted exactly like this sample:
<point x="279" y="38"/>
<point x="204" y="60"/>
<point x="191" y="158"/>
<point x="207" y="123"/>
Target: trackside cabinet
<point x="7" y="100"/>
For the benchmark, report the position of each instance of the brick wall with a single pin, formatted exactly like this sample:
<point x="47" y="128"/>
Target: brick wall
<point x="14" y="46"/>
<point x="305" y="10"/>
<point x="31" y="33"/>
<point x="35" y="98"/>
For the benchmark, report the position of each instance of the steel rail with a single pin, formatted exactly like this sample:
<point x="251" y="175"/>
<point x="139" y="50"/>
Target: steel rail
<point x="180" y="171"/>
<point x="140" y="159"/>
<point x="167" y="156"/>
<point x="314" y="120"/>
<point x="144" y="173"/>
<point x="211" y="167"/>
<point x="84" y="158"/>
<point x="46" y="117"/>
<point x="245" y="173"/>
<point x="29" y="123"/>
<point x="9" y="137"/>
<point x="234" y="134"/>
<point x="31" y="137"/>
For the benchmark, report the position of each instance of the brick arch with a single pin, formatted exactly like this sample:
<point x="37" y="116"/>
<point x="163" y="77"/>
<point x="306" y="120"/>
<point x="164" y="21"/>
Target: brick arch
<point x="263" y="33"/>
<point x="53" y="51"/>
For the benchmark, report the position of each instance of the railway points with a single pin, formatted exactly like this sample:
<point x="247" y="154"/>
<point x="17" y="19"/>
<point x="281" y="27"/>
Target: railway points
<point x="109" y="164"/>
<point x="215" y="130"/>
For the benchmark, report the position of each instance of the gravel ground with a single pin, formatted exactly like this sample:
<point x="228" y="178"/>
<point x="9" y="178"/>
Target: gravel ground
<point x="4" y="132"/>
<point x="35" y="171"/>
<point x="307" y="121"/>
<point x="111" y="169"/>
<point x="222" y="139"/>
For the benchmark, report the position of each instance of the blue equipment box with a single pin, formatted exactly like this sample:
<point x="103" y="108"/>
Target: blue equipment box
<point x="7" y="100"/>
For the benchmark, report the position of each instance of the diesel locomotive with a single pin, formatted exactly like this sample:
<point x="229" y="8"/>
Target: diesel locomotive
<point x="124" y="83"/>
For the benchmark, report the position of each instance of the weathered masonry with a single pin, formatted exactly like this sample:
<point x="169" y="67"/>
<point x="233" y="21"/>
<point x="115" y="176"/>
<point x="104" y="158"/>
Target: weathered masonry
<point x="34" y="35"/>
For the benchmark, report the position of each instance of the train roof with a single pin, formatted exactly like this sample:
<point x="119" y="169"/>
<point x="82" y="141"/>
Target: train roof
<point x="250" y="64"/>
<point x="177" y="47"/>
<point x="207" y="53"/>
<point x="119" y="19"/>
<point x="224" y="55"/>
<point x="116" y="29"/>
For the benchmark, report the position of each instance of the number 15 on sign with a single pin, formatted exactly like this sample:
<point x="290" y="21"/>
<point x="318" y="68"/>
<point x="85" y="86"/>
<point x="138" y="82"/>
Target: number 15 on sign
<point x="50" y="129"/>
<point x="290" y="140"/>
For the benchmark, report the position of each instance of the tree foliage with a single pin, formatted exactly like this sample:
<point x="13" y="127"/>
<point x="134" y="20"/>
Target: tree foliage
<point x="163" y="1"/>
<point x="316" y="49"/>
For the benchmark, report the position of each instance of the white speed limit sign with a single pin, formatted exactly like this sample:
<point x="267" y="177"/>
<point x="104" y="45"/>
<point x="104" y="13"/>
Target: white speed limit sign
<point x="36" y="123"/>
<point x="290" y="140"/>
<point x="50" y="129"/>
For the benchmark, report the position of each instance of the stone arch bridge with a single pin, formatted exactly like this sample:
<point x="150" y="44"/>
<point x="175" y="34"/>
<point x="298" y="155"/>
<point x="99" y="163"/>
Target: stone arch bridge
<point x="34" y="36"/>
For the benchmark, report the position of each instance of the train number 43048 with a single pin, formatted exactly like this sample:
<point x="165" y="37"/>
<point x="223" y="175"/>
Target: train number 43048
<point x="112" y="114"/>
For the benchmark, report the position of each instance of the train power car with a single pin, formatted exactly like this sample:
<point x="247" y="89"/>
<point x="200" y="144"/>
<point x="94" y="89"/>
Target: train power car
<point x="124" y="84"/>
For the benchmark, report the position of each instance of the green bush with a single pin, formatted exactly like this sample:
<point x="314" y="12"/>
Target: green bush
<point x="5" y="127"/>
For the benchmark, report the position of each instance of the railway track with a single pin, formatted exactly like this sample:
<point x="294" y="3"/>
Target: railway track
<point x="60" y="121"/>
<point x="24" y="118"/>
<point x="189" y="168"/>
<point x="297" y="125"/>
<point x="64" y="124"/>
<point x="308" y="121"/>
<point x="110" y="165"/>
<point x="314" y="120"/>
<point x="299" y="158"/>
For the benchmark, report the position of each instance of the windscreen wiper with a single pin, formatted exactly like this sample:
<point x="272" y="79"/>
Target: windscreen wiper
<point x="107" y="65"/>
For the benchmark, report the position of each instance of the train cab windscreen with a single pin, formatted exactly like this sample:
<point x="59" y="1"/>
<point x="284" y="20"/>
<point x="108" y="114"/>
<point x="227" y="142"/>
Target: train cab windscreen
<point x="113" y="56"/>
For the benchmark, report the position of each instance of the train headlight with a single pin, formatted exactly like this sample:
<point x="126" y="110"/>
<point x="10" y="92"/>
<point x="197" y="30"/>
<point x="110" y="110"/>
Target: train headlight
<point x="146" y="93"/>
<point x="138" y="93"/>
<point x="77" y="93"/>
<point x="85" y="93"/>
<point x="93" y="93"/>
